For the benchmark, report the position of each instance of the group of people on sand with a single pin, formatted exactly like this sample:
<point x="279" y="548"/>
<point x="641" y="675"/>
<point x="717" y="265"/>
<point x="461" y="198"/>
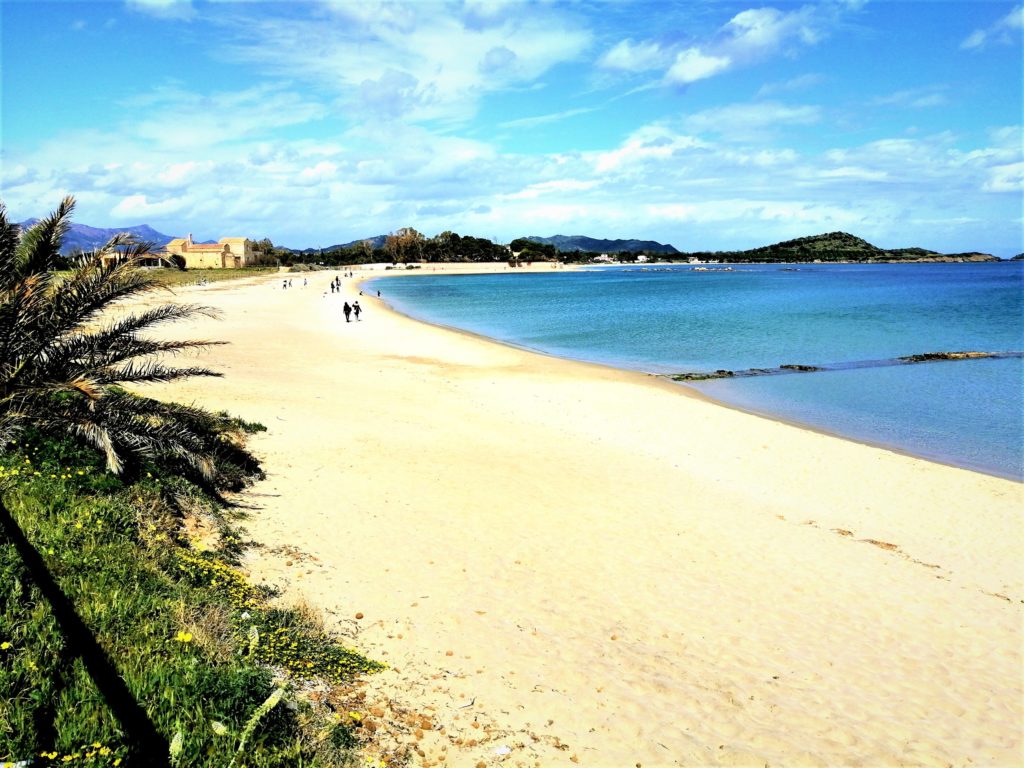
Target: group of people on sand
<point x="348" y="309"/>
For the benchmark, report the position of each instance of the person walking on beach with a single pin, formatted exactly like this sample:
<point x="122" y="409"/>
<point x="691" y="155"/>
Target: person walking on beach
<point x="348" y="311"/>
<point x="357" y="309"/>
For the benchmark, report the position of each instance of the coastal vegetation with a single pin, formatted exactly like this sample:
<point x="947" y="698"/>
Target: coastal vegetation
<point x="407" y="245"/>
<point x="128" y="633"/>
<point x="831" y="247"/>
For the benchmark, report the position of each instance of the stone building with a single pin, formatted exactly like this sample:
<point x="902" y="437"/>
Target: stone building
<point x="229" y="253"/>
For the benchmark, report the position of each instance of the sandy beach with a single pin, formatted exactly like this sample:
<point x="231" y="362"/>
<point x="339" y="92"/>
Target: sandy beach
<point x="566" y="564"/>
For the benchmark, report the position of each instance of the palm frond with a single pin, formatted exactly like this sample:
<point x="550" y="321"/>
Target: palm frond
<point x="62" y="361"/>
<point x="150" y="372"/>
<point x="9" y="234"/>
<point x="40" y="245"/>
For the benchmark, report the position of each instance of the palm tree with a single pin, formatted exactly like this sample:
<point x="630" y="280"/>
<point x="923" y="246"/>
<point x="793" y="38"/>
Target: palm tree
<point x="64" y="357"/>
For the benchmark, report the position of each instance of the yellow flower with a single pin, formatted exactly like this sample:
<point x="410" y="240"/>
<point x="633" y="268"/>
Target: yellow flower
<point x="4" y="646"/>
<point x="183" y="637"/>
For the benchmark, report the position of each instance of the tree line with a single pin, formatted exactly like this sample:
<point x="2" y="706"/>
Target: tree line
<point x="406" y="245"/>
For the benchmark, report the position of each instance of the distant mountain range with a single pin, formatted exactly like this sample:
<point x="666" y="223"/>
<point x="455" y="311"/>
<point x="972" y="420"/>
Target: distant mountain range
<point x="376" y="242"/>
<point x="596" y="245"/>
<point x="832" y="246"/>
<point x="82" y="237"/>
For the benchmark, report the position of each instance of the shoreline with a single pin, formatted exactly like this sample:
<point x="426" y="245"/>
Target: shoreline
<point x="567" y="564"/>
<point x="689" y="389"/>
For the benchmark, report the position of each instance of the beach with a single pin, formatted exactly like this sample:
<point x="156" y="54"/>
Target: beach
<point x="568" y="564"/>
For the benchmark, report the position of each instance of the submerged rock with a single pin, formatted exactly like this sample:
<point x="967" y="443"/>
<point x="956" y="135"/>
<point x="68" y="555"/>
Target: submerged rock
<point x="801" y="368"/>
<point x="719" y="374"/>
<point x="927" y="357"/>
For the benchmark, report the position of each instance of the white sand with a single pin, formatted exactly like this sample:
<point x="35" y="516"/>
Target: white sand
<point x="598" y="568"/>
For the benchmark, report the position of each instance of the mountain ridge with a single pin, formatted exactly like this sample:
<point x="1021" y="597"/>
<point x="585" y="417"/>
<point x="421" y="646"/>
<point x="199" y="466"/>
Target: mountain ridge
<point x="601" y="245"/>
<point x="830" y="246"/>
<point x="83" y="237"/>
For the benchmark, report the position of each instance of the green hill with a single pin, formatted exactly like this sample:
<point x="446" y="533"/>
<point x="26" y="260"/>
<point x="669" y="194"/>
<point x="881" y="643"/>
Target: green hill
<point x="833" y="246"/>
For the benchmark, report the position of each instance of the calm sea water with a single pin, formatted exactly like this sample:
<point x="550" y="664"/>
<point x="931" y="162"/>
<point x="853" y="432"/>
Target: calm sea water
<point x="673" y="319"/>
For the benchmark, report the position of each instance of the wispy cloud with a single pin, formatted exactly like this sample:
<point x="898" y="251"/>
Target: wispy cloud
<point x="165" y="9"/>
<point x="748" y="37"/>
<point x="753" y="119"/>
<point x="1003" y="31"/>
<point x="914" y="98"/>
<point x="412" y="61"/>
<point x="793" y="85"/>
<point x="554" y="117"/>
<point x="631" y="56"/>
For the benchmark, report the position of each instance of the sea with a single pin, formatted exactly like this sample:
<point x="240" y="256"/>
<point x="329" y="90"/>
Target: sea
<point x="855" y="319"/>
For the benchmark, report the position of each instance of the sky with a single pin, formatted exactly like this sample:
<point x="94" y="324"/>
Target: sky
<point x="707" y="124"/>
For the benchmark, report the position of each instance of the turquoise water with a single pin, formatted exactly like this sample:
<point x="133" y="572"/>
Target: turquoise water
<point x="673" y="319"/>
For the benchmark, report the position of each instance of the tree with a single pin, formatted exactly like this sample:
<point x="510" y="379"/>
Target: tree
<point x="64" y="359"/>
<point x="404" y="245"/>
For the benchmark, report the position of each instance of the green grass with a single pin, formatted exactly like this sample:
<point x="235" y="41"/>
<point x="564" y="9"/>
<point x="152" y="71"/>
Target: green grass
<point x="175" y="277"/>
<point x="199" y="647"/>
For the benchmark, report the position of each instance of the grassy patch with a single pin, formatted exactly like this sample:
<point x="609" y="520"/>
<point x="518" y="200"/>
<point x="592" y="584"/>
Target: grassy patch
<point x="174" y="277"/>
<point x="201" y="649"/>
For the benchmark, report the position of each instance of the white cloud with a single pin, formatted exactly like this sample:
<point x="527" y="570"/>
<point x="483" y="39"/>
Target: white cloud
<point x="976" y="39"/>
<point x="550" y="187"/>
<point x="760" y="31"/>
<point x="731" y="209"/>
<point x="1005" y="178"/>
<point x="317" y="174"/>
<point x="853" y="172"/>
<point x="412" y="61"/>
<point x="915" y="98"/>
<point x="748" y="37"/>
<point x="138" y="208"/>
<point x="531" y="122"/>
<point x="182" y="119"/>
<point x="800" y="83"/>
<point x="691" y="65"/>
<point x="1004" y="31"/>
<point x="753" y="119"/>
<point x="630" y="56"/>
<point x="165" y="9"/>
<point x="648" y="145"/>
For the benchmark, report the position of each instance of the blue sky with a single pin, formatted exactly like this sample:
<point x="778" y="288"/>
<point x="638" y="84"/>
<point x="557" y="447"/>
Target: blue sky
<point x="709" y="125"/>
